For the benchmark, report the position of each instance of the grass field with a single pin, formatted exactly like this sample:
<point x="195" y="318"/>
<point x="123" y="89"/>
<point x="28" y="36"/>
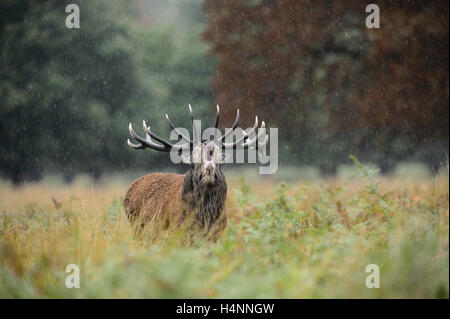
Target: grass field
<point x="283" y="240"/>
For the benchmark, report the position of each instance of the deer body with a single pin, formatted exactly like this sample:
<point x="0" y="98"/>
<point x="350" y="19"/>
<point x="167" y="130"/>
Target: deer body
<point x="195" y="201"/>
<point x="173" y="200"/>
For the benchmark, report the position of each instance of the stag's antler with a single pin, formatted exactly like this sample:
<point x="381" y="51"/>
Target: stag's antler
<point x="148" y="142"/>
<point x="166" y="146"/>
<point x="242" y="143"/>
<point x="235" y="124"/>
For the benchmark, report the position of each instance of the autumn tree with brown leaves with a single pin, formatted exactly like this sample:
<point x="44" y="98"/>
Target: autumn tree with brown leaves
<point x="331" y="85"/>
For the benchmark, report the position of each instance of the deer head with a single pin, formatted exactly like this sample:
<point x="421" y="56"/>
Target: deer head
<point x="204" y="156"/>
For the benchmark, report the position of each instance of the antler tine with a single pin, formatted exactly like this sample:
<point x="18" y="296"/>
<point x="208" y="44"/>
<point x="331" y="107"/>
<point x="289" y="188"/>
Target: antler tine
<point x="148" y="142"/>
<point x="172" y="126"/>
<point x="235" y="124"/>
<point x="138" y="146"/>
<point x="144" y="143"/>
<point x="251" y="143"/>
<point x="159" y="139"/>
<point x="191" y="115"/>
<point x="216" y="124"/>
<point x="194" y="129"/>
<point x="259" y="136"/>
<point x="243" y="138"/>
<point x="135" y="146"/>
<point x="147" y="136"/>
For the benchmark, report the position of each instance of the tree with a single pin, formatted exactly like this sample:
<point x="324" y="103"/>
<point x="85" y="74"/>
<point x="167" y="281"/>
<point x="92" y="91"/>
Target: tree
<point x="60" y="87"/>
<point x="334" y="86"/>
<point x="69" y="94"/>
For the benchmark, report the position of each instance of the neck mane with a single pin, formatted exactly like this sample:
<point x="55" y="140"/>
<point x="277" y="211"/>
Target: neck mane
<point x="205" y="200"/>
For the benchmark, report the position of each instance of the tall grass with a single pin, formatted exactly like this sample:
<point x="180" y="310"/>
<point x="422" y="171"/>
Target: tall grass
<point x="297" y="240"/>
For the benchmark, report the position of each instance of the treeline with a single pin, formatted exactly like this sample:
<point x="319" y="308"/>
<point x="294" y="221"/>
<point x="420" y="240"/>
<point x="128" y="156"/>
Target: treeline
<point x="334" y="86"/>
<point x="67" y="95"/>
<point x="312" y="69"/>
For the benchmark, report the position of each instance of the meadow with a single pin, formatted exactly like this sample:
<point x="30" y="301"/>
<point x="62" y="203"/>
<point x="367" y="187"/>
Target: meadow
<point x="294" y="239"/>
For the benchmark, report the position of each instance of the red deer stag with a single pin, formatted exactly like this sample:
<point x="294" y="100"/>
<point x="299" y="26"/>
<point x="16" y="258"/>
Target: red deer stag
<point x="194" y="201"/>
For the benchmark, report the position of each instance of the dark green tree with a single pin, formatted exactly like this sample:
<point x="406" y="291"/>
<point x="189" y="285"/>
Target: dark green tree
<point x="68" y="94"/>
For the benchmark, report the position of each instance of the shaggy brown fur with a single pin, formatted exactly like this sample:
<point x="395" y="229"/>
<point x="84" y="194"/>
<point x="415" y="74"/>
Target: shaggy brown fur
<point x="157" y="195"/>
<point x="179" y="201"/>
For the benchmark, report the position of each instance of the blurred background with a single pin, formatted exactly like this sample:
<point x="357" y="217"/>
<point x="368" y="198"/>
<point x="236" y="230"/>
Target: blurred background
<point x="310" y="68"/>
